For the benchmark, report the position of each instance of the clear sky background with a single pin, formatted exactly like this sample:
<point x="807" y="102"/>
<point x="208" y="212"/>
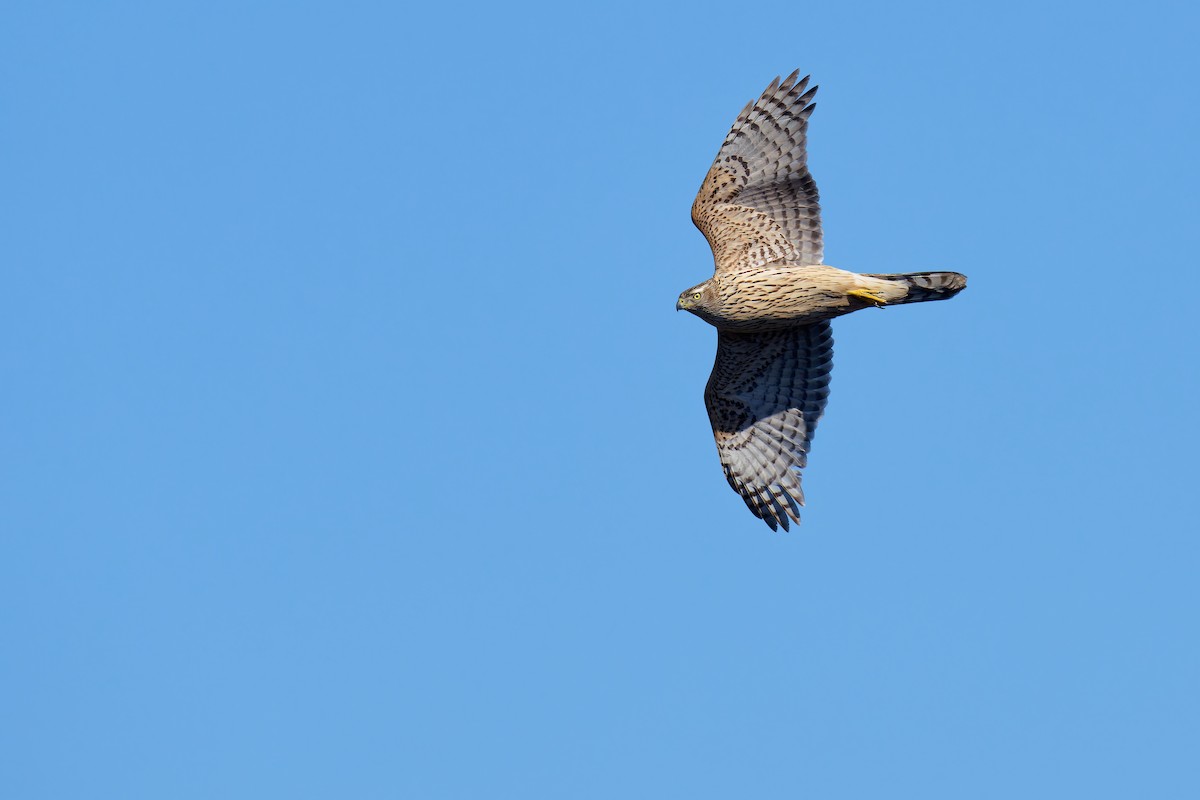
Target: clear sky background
<point x="352" y="447"/>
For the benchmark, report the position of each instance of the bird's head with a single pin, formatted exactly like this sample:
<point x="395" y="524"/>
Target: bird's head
<point x="698" y="298"/>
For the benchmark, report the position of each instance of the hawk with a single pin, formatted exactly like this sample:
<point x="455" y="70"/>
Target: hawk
<point x="771" y="299"/>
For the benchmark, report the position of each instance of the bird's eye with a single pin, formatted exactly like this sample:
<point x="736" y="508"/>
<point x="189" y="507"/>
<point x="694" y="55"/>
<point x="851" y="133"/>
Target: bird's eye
<point x="696" y="296"/>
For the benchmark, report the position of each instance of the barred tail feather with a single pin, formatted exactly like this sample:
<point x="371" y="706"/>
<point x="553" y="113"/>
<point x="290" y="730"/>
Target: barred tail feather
<point x="923" y="286"/>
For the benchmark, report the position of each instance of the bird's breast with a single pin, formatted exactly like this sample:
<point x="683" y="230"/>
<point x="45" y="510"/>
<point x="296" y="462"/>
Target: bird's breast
<point x="771" y="298"/>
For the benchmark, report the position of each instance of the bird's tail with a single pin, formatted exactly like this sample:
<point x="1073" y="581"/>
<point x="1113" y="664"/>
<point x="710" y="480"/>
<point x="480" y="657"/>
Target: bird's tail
<point x="922" y="286"/>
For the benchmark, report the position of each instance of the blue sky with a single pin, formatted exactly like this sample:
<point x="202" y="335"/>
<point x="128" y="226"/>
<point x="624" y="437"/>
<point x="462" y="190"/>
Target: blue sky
<point x="353" y="447"/>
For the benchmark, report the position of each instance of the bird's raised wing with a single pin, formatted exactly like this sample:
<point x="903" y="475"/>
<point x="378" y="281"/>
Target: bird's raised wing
<point x="758" y="204"/>
<point x="764" y="398"/>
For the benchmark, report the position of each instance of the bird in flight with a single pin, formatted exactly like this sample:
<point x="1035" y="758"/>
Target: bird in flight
<point x="771" y="299"/>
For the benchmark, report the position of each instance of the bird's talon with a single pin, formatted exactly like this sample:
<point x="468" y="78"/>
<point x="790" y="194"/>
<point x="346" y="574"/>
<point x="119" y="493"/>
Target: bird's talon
<point x="863" y="294"/>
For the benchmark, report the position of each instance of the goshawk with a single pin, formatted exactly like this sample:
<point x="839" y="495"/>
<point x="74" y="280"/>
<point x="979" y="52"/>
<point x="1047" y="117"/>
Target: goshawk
<point x="771" y="300"/>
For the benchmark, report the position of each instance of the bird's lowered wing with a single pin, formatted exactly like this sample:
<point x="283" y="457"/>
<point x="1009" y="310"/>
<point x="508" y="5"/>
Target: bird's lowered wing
<point x="764" y="398"/>
<point x="758" y="204"/>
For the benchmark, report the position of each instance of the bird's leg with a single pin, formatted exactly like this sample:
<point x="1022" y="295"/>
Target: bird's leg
<point x="863" y="294"/>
